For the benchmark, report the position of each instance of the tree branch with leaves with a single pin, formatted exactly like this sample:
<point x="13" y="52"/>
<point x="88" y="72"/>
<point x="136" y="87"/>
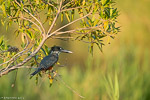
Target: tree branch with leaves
<point x="97" y="20"/>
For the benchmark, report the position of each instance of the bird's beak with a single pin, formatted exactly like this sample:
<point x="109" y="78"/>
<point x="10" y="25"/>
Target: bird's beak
<point x="66" y="51"/>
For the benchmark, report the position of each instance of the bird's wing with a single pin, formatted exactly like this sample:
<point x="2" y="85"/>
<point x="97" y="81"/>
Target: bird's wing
<point x="48" y="61"/>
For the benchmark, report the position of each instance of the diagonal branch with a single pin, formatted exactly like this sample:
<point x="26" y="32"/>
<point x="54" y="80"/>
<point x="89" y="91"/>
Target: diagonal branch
<point x="71" y="31"/>
<point x="52" y="25"/>
<point x="68" y="24"/>
<point x="11" y="68"/>
<point x="32" y="22"/>
<point x="51" y="5"/>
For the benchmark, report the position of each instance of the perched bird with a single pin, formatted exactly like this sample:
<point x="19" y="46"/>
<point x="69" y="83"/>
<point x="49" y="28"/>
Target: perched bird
<point x="49" y="61"/>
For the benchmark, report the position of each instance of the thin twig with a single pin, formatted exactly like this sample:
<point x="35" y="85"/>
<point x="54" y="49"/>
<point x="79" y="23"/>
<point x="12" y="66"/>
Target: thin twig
<point x="71" y="31"/>
<point x="68" y="86"/>
<point x="13" y="85"/>
<point x="51" y="5"/>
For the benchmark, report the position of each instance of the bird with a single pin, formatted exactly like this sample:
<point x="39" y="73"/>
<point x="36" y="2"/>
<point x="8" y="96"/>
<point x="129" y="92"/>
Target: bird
<point x="49" y="61"/>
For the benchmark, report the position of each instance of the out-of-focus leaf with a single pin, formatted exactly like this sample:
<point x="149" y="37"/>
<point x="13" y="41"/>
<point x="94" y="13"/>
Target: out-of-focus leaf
<point x="3" y="9"/>
<point x="23" y="45"/>
<point x="51" y="81"/>
<point x="91" y="48"/>
<point x="96" y="22"/>
<point x="116" y="87"/>
<point x="62" y="16"/>
<point x="1" y="40"/>
<point x="3" y="22"/>
<point x="67" y="16"/>
<point x="106" y="2"/>
<point x="21" y="6"/>
<point x="37" y="1"/>
<point x="72" y="14"/>
<point x="80" y="11"/>
<point x="46" y="49"/>
<point x="23" y="38"/>
<point x="83" y="2"/>
<point x="100" y="47"/>
<point x="36" y="80"/>
<point x="106" y="25"/>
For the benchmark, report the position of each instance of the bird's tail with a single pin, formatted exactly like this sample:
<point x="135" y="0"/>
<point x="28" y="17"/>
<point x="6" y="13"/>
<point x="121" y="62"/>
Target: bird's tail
<point x="38" y="70"/>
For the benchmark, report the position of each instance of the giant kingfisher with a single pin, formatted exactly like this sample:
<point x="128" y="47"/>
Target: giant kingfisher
<point x="49" y="61"/>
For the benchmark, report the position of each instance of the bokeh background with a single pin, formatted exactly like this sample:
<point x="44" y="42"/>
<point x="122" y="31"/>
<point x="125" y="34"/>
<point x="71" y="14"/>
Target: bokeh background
<point x="121" y="71"/>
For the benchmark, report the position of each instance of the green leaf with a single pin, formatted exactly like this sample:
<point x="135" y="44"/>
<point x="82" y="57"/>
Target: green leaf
<point x="1" y="40"/>
<point x="91" y="48"/>
<point x="72" y="14"/>
<point x="51" y="81"/>
<point x="105" y="2"/>
<point x="3" y="9"/>
<point x="106" y="26"/>
<point x="21" y="6"/>
<point x="96" y="22"/>
<point x="116" y="87"/>
<point x="36" y="80"/>
<point x="3" y="22"/>
<point x="67" y="16"/>
<point x="23" y="38"/>
<point x="23" y="45"/>
<point x="99" y="46"/>
<point x="62" y="17"/>
<point x="30" y="34"/>
<point x="83" y="3"/>
<point x="81" y="13"/>
<point x="44" y="51"/>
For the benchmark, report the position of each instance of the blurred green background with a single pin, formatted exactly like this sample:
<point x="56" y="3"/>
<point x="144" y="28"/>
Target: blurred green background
<point x="121" y="71"/>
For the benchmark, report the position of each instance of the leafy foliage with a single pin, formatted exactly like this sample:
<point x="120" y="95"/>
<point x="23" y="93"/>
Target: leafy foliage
<point x="97" y="20"/>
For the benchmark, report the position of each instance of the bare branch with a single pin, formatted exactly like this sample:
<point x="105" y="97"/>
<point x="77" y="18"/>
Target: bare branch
<point x="52" y="25"/>
<point x="32" y="22"/>
<point x="68" y="24"/>
<point x="11" y="68"/>
<point x="51" y="5"/>
<point x="71" y="31"/>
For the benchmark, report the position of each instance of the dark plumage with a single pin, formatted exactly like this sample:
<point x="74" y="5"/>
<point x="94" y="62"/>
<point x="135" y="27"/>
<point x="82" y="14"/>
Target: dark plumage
<point x="49" y="61"/>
